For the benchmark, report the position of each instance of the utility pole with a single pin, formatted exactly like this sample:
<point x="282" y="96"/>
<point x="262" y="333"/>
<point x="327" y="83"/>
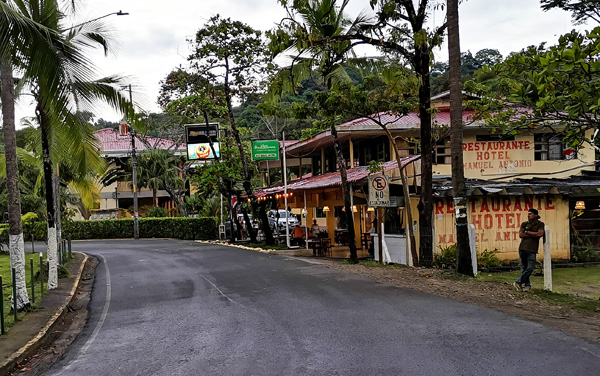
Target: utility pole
<point x="136" y="223"/>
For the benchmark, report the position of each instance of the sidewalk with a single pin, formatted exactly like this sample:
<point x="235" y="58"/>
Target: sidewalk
<point x="24" y="339"/>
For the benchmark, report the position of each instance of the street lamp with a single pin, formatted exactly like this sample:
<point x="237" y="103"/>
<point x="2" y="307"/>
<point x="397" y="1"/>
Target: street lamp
<point x="136" y="221"/>
<point x="119" y="13"/>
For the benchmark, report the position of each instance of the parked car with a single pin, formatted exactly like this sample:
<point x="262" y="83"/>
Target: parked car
<point x="277" y="218"/>
<point x="240" y="218"/>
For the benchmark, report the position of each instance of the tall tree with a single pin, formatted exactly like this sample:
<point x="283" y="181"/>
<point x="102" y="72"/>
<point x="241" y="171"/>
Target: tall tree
<point x="319" y="20"/>
<point x="232" y="54"/>
<point x="17" y="32"/>
<point x="401" y="29"/>
<point x="387" y="92"/>
<point x="463" y="259"/>
<point x="582" y="10"/>
<point x="70" y="87"/>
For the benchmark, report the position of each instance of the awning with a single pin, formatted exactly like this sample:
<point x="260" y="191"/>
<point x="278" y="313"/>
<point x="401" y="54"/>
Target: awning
<point x="331" y="179"/>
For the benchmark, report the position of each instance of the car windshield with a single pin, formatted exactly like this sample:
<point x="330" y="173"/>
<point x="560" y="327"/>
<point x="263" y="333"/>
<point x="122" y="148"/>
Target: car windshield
<point x="282" y="214"/>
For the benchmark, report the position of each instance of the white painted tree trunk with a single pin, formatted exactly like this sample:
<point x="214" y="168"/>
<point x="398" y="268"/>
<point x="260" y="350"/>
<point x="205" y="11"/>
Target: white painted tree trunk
<point x="17" y="261"/>
<point x="52" y="259"/>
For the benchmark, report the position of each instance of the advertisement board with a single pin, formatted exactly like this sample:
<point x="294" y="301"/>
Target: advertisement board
<point x="266" y="150"/>
<point x="198" y="138"/>
<point x="202" y="151"/>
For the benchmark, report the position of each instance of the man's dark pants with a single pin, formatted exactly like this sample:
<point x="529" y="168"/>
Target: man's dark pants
<point x="528" y="262"/>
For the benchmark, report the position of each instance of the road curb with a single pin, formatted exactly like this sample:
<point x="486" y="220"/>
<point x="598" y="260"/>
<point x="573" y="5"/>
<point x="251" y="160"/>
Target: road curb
<point x="216" y="242"/>
<point x="24" y="352"/>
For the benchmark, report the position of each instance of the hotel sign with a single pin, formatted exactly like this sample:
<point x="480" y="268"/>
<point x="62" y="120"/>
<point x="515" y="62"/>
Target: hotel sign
<point x="265" y="150"/>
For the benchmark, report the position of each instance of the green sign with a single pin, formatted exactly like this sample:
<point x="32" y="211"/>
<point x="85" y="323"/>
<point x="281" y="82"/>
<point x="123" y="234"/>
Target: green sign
<point x="265" y="150"/>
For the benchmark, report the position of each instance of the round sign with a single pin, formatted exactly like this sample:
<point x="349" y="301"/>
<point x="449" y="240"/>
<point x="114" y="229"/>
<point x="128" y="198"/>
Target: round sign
<point x="379" y="183"/>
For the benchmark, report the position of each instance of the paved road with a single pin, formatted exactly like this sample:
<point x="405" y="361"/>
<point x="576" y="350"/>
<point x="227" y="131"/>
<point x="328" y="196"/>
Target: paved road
<point x="182" y="308"/>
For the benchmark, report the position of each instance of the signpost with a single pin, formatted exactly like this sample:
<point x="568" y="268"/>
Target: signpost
<point x="379" y="195"/>
<point x="267" y="150"/>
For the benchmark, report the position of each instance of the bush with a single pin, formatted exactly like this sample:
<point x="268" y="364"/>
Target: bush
<point x="446" y="259"/>
<point x="179" y="228"/>
<point x="158" y="212"/>
<point x="3" y="238"/>
<point x="488" y="259"/>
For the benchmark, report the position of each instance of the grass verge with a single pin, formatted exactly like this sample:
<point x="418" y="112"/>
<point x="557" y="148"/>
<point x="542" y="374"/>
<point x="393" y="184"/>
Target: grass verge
<point x="6" y="273"/>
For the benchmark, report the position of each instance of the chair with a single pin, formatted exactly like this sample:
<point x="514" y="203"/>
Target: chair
<point x="326" y="246"/>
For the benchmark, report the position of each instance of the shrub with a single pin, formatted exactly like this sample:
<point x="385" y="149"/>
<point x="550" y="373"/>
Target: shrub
<point x="158" y="212"/>
<point x="446" y="258"/>
<point x="488" y="259"/>
<point x="179" y="228"/>
<point x="3" y="238"/>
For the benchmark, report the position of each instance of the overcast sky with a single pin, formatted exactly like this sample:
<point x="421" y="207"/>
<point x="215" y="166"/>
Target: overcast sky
<point x="152" y="38"/>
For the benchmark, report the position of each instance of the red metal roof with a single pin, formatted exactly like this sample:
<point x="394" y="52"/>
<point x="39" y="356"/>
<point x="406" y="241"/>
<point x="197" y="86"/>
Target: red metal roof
<point x="331" y="179"/>
<point x="111" y="140"/>
<point x="410" y="120"/>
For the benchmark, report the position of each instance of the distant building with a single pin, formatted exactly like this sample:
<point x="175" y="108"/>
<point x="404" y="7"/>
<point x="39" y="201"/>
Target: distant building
<point x="115" y="147"/>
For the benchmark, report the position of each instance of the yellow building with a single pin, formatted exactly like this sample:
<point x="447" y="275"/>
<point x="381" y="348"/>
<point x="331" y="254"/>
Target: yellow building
<point x="506" y="175"/>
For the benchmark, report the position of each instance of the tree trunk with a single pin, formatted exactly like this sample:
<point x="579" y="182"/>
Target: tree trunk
<point x="407" y="207"/>
<point x="425" y="206"/>
<point x="346" y="195"/>
<point x="236" y="135"/>
<point x="261" y="211"/>
<point x="15" y="231"/>
<point x="463" y="251"/>
<point x="50" y="208"/>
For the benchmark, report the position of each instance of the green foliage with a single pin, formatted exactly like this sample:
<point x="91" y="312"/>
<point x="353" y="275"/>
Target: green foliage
<point x="488" y="259"/>
<point x="555" y="88"/>
<point x="158" y="212"/>
<point x="178" y="228"/>
<point x="3" y="238"/>
<point x="584" y="249"/>
<point x="446" y="258"/>
<point x="582" y="9"/>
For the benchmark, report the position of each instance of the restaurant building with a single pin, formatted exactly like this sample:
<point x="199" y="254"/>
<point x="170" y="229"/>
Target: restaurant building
<point x="505" y="176"/>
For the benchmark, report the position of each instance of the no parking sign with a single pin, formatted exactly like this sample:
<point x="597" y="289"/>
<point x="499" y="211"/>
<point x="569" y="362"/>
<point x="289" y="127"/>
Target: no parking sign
<point x="379" y="191"/>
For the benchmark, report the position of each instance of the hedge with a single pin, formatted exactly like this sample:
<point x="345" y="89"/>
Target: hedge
<point x="178" y="228"/>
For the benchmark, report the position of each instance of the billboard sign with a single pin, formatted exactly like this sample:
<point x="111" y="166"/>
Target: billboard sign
<point x="267" y="150"/>
<point x="202" y="151"/>
<point x="198" y="138"/>
<point x="200" y="133"/>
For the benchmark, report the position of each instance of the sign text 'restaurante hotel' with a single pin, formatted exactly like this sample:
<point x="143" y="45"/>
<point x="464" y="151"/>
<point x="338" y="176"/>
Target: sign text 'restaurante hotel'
<point x="496" y="154"/>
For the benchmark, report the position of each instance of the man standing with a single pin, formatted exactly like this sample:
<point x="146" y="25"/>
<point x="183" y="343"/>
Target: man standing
<point x="530" y="234"/>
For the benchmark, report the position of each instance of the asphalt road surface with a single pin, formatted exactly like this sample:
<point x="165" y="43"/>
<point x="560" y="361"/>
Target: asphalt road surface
<point x="167" y="307"/>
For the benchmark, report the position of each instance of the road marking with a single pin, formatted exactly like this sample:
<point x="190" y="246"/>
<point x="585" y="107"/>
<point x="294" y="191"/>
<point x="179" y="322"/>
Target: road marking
<point x="219" y="290"/>
<point x="100" y="322"/>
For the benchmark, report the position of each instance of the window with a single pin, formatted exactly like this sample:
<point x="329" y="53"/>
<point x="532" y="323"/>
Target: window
<point x="549" y="147"/>
<point x="443" y="154"/>
<point x="381" y="152"/>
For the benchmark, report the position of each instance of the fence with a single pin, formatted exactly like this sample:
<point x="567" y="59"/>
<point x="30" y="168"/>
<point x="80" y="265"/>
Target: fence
<point x="35" y="276"/>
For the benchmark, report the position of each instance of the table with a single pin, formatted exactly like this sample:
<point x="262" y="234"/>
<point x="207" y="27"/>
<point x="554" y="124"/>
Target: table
<point x="320" y="246"/>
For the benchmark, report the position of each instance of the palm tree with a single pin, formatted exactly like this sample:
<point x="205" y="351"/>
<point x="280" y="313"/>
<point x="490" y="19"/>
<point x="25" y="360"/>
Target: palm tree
<point x="68" y="87"/>
<point x="322" y="20"/>
<point x="155" y="167"/>
<point x="16" y="32"/>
